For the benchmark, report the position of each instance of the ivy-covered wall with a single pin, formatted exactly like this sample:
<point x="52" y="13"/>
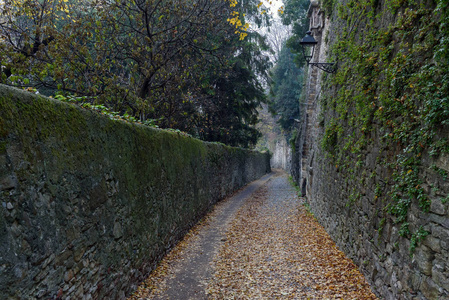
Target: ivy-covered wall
<point x="88" y="205"/>
<point x="378" y="178"/>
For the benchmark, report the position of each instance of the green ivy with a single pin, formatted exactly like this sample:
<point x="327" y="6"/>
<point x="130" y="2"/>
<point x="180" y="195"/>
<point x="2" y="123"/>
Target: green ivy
<point x="392" y="89"/>
<point x="417" y="237"/>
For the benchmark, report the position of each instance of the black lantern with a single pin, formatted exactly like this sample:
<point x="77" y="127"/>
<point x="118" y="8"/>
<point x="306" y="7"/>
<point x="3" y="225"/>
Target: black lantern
<point x="308" y="42"/>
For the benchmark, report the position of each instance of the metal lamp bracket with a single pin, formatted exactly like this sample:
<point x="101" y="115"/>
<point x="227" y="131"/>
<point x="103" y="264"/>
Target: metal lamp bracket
<point x="326" y="67"/>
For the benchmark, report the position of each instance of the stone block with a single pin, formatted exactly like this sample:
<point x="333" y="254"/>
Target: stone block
<point x="430" y="289"/>
<point x="8" y="182"/>
<point x="443" y="234"/>
<point x="440" y="278"/>
<point x="439" y="263"/>
<point x="41" y="293"/>
<point x="68" y="275"/>
<point x="72" y="233"/>
<point x="117" y="231"/>
<point x="19" y="272"/>
<point x="396" y="283"/>
<point x="442" y="162"/>
<point x="48" y="260"/>
<point x="79" y="292"/>
<point x="396" y="258"/>
<point x="414" y="280"/>
<point x="441" y="220"/>
<point x="433" y="243"/>
<point x="85" y="262"/>
<point x="41" y="275"/>
<point x="92" y="236"/>
<point x="79" y="252"/>
<point x="437" y="207"/>
<point x="423" y="257"/>
<point x="71" y="289"/>
<point x="87" y="297"/>
<point x="63" y="256"/>
<point x="404" y="247"/>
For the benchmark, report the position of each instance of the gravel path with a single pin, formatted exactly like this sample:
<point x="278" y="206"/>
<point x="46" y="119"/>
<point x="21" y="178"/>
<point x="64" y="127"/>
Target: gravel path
<point x="259" y="244"/>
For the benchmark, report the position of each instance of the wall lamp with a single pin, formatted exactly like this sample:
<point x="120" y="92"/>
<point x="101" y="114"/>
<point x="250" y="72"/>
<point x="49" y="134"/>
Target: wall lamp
<point x="308" y="42"/>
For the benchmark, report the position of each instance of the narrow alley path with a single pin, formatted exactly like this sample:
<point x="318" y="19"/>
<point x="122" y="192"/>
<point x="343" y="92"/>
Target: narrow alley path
<point x="259" y="244"/>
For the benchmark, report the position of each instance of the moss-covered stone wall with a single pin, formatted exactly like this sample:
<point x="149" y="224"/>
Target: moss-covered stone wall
<point x="378" y="173"/>
<point x="89" y="205"/>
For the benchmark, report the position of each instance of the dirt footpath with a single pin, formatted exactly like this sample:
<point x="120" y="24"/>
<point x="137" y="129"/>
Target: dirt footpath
<point x="259" y="244"/>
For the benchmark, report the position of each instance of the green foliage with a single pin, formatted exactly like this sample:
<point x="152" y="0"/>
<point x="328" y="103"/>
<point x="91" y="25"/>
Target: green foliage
<point x="232" y="95"/>
<point x="445" y="200"/>
<point x="285" y="90"/>
<point x="391" y="88"/>
<point x="295" y="185"/>
<point x="101" y="109"/>
<point x="295" y="13"/>
<point x="417" y="237"/>
<point x="404" y="230"/>
<point x="298" y="192"/>
<point x="287" y="76"/>
<point x="443" y="173"/>
<point x="381" y="226"/>
<point x="156" y="61"/>
<point x="292" y="140"/>
<point x="328" y="6"/>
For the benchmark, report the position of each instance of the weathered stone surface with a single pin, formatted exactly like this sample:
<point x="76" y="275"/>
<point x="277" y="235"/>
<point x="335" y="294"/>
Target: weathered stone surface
<point x="429" y="289"/>
<point x="433" y="243"/>
<point x="351" y="200"/>
<point x="442" y="162"/>
<point x="8" y="182"/>
<point x="68" y="276"/>
<point x="442" y="220"/>
<point x="89" y="205"/>
<point x="423" y="257"/>
<point x="117" y="232"/>
<point x="438" y="207"/>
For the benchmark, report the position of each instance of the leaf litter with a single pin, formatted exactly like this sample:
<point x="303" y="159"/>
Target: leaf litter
<point x="274" y="249"/>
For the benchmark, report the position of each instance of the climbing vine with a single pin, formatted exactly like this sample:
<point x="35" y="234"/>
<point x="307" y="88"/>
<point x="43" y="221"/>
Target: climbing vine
<point x="391" y="89"/>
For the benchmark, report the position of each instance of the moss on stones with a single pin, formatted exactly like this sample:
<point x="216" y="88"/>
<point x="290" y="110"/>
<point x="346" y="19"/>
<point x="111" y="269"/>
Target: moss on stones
<point x="123" y="193"/>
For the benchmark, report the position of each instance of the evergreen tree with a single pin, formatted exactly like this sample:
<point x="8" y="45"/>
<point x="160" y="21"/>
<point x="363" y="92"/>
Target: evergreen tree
<point x="179" y="63"/>
<point x="295" y="14"/>
<point x="286" y="87"/>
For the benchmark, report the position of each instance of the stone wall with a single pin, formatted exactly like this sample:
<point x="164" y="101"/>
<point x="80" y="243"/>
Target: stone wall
<point x="364" y="231"/>
<point x="306" y="132"/>
<point x="349" y="192"/>
<point x="281" y="158"/>
<point x="89" y="205"/>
